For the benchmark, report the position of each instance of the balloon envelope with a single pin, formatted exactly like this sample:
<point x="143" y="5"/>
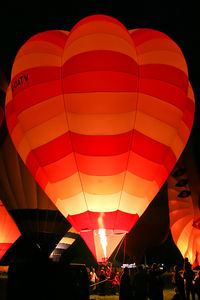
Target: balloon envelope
<point x="100" y="116"/>
<point x="184" y="207"/>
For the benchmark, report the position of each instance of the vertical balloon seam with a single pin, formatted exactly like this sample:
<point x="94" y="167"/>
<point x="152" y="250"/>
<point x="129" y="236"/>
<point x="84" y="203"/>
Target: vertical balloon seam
<point x="73" y="150"/>
<point x="126" y="169"/>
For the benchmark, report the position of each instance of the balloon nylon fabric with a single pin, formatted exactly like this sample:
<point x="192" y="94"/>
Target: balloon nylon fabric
<point x="100" y="116"/>
<point x="9" y="231"/>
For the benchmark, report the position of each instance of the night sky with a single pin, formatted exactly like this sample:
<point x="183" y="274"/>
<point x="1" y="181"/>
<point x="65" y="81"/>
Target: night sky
<point x="19" y="21"/>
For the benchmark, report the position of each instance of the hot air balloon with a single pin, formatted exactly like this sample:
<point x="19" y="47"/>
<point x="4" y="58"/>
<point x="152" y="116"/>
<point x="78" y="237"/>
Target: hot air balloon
<point x="67" y="240"/>
<point x="9" y="231"/>
<point x="100" y="116"/>
<point x="36" y="216"/>
<point x="184" y="206"/>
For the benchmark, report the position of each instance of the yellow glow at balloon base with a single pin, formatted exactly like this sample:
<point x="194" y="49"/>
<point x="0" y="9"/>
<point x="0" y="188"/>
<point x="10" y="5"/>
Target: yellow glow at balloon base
<point x="105" y="243"/>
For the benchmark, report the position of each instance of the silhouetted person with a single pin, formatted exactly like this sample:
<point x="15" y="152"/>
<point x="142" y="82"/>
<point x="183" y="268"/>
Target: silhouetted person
<point x="179" y="283"/>
<point x="125" y="289"/>
<point x="102" y="277"/>
<point x="186" y="263"/>
<point x="189" y="277"/>
<point x="140" y="284"/>
<point x="197" y="284"/>
<point x="155" y="282"/>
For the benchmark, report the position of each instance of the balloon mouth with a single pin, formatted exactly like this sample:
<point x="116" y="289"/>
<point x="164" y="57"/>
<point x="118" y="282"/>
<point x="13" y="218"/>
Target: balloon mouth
<point x="196" y="223"/>
<point x="103" y="238"/>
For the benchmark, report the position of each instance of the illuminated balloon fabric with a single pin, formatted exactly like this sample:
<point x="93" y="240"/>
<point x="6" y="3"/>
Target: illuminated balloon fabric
<point x="185" y="211"/>
<point x="34" y="213"/>
<point x="100" y="116"/>
<point x="9" y="231"/>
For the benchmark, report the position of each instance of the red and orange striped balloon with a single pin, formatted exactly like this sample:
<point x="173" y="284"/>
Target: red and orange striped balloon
<point x="184" y="205"/>
<point x="100" y="116"/>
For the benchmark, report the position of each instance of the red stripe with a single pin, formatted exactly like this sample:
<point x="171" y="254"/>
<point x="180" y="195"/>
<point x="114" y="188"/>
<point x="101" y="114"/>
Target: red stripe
<point x="190" y="106"/>
<point x="188" y="119"/>
<point x="56" y="37"/>
<point x="164" y="91"/>
<point x="100" y="81"/>
<point x="88" y="220"/>
<point x="84" y="144"/>
<point x="143" y="35"/>
<point x="32" y="163"/>
<point x="101" y="145"/>
<point x="169" y="161"/>
<point x="99" y="18"/>
<point x="34" y="76"/>
<point x="9" y="109"/>
<point x="11" y="121"/>
<point x="148" y="148"/>
<point x="100" y="61"/>
<point x="54" y="150"/>
<point x="165" y="73"/>
<point x="36" y="94"/>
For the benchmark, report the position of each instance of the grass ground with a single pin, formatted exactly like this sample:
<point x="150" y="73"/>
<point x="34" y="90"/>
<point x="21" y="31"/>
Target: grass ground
<point x="168" y="294"/>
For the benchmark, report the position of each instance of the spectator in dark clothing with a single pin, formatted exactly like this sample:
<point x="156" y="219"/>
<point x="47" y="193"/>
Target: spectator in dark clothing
<point x="102" y="277"/>
<point x="186" y="264"/>
<point x="155" y="282"/>
<point x="197" y="284"/>
<point x="179" y="283"/>
<point x="125" y="290"/>
<point x="189" y="277"/>
<point x="140" y="284"/>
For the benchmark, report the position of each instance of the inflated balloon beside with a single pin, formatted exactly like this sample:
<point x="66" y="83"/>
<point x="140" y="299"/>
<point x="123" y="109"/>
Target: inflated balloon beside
<point x="100" y="116"/>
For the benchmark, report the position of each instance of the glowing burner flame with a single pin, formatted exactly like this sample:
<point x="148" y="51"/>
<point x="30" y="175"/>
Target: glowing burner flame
<point x="103" y="238"/>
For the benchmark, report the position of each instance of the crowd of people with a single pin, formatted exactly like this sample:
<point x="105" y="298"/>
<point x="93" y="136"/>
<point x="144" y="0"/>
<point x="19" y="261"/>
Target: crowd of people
<point x="134" y="283"/>
<point x="142" y="283"/>
<point x="186" y="281"/>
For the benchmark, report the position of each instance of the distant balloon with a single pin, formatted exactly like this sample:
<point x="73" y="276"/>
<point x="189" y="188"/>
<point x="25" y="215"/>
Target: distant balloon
<point x="185" y="211"/>
<point x="9" y="231"/>
<point x="100" y="116"/>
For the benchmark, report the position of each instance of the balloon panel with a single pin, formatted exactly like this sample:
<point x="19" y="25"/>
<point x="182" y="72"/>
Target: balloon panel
<point x="109" y="112"/>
